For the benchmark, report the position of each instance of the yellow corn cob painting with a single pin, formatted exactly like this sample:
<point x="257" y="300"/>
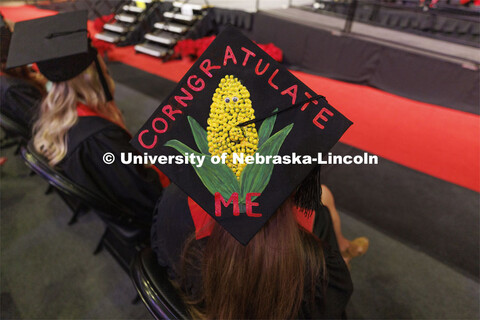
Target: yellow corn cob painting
<point x="230" y="106"/>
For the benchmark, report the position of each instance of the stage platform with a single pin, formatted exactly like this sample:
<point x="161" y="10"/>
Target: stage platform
<point x="406" y="41"/>
<point x="416" y="67"/>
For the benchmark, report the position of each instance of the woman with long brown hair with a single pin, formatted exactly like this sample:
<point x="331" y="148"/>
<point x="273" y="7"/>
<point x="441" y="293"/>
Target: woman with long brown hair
<point x="286" y="271"/>
<point x="249" y="239"/>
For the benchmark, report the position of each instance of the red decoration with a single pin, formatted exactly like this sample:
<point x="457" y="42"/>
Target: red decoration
<point x="100" y="21"/>
<point x="98" y="24"/>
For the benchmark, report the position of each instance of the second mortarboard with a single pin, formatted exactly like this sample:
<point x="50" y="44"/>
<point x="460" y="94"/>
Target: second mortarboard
<point x="235" y="103"/>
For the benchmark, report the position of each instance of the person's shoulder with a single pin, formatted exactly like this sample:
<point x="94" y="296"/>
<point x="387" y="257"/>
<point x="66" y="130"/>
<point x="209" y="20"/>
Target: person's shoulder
<point x="172" y="213"/>
<point x="93" y="124"/>
<point x="10" y="81"/>
<point x="12" y="85"/>
<point x="172" y="198"/>
<point x="172" y="225"/>
<point x="94" y="130"/>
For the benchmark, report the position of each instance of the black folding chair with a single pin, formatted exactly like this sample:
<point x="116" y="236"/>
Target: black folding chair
<point x="124" y="235"/>
<point x="154" y="287"/>
<point x="16" y="133"/>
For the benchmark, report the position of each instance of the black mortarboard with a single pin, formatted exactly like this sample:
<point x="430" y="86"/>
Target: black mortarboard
<point x="59" y="45"/>
<point x="209" y="113"/>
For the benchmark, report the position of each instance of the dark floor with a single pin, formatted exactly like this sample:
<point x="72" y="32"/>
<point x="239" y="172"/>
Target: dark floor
<point x="48" y="270"/>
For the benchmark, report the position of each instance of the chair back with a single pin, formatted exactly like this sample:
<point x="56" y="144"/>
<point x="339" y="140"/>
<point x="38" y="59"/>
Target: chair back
<point x="155" y="289"/>
<point x="109" y="211"/>
<point x="14" y="128"/>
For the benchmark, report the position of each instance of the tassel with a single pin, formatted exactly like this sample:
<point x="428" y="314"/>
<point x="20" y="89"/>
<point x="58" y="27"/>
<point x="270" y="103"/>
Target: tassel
<point x="309" y="193"/>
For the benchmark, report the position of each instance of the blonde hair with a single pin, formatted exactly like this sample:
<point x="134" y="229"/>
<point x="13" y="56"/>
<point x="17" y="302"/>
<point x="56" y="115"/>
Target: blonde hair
<point x="58" y="112"/>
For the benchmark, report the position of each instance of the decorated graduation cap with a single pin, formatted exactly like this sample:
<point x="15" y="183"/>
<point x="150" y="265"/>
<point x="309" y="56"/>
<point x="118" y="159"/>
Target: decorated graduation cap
<point x="59" y="45"/>
<point x="237" y="101"/>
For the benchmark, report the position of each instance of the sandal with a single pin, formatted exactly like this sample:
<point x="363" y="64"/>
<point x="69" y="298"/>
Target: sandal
<point x="357" y="248"/>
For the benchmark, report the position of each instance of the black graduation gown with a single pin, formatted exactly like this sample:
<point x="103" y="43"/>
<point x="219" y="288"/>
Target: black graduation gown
<point x="172" y="225"/>
<point x="135" y="186"/>
<point x="19" y="99"/>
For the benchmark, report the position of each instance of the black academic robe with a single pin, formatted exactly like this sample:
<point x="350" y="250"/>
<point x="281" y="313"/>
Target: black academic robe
<point x="19" y="99"/>
<point x="135" y="186"/>
<point x="172" y="225"/>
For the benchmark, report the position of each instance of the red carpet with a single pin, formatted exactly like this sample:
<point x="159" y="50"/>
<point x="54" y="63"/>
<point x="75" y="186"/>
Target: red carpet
<point x="438" y="141"/>
<point x="20" y="13"/>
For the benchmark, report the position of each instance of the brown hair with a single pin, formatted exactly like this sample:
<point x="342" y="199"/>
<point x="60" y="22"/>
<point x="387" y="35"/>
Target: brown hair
<point x="266" y="279"/>
<point x="27" y="74"/>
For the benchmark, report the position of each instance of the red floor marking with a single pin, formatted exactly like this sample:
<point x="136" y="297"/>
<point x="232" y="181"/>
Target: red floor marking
<point x="438" y="141"/>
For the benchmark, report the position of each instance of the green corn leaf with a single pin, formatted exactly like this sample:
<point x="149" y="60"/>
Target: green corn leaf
<point x="215" y="177"/>
<point x="255" y="177"/>
<point x="199" y="134"/>
<point x="266" y="129"/>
